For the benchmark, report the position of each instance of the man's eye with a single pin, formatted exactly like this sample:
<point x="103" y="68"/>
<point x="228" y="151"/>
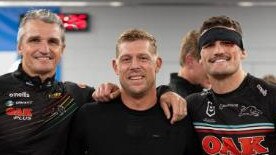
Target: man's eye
<point x="125" y="59"/>
<point x="54" y="42"/>
<point x="208" y="45"/>
<point x="34" y="40"/>
<point x="144" y="58"/>
<point x="228" y="43"/>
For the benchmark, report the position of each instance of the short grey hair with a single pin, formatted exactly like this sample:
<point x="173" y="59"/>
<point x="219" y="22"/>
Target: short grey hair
<point x="43" y="15"/>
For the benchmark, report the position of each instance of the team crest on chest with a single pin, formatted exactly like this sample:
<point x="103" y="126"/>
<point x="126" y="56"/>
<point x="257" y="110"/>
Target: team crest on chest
<point x="211" y="109"/>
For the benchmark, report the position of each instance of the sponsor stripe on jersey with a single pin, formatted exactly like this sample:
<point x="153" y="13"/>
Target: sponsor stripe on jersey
<point x="234" y="129"/>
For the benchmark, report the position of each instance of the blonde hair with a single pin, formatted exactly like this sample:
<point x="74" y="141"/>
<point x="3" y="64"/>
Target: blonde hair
<point x="269" y="78"/>
<point x="189" y="44"/>
<point x="134" y="35"/>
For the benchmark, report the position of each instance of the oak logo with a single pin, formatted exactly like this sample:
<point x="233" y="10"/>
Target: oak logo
<point x="248" y="145"/>
<point x="24" y="114"/>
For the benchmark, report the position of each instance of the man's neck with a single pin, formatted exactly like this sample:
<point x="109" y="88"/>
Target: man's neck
<point x="229" y="83"/>
<point x="183" y="72"/>
<point x="139" y="103"/>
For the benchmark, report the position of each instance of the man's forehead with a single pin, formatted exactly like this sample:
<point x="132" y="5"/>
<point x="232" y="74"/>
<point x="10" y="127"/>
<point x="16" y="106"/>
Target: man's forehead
<point x="38" y="35"/>
<point x="135" y="54"/>
<point x="38" y="25"/>
<point x="27" y="37"/>
<point x="41" y="29"/>
<point x="137" y="45"/>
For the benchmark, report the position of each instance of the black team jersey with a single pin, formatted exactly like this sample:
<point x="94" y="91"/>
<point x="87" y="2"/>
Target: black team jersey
<point x="35" y="116"/>
<point x="241" y="122"/>
<point x="182" y="86"/>
<point x="113" y="129"/>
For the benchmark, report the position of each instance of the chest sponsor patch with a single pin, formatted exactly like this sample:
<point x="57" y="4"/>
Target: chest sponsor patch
<point x="226" y="145"/>
<point x="23" y="114"/>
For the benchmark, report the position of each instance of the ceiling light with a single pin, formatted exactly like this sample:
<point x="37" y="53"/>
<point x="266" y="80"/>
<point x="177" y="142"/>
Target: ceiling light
<point x="59" y="3"/>
<point x="245" y="4"/>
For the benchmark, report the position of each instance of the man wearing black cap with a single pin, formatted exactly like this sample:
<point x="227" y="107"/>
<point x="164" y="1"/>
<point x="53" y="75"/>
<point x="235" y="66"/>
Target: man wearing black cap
<point x="237" y="116"/>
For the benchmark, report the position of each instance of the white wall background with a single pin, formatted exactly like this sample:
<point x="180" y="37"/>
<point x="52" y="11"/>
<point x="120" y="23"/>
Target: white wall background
<point x="87" y="57"/>
<point x="7" y="61"/>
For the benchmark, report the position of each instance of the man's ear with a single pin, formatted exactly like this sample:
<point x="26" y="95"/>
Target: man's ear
<point x="19" y="49"/>
<point x="62" y="48"/>
<point x="159" y="62"/>
<point x="115" y="66"/>
<point x="243" y="54"/>
<point x="200" y="61"/>
<point x="189" y="60"/>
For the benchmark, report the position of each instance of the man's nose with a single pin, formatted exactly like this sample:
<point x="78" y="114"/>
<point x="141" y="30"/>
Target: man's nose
<point x="44" y="47"/>
<point x="218" y="48"/>
<point x="135" y="63"/>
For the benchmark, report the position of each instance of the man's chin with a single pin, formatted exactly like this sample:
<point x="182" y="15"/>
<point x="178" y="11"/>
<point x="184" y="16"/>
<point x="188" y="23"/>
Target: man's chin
<point x="220" y="75"/>
<point x="45" y="71"/>
<point x="137" y="92"/>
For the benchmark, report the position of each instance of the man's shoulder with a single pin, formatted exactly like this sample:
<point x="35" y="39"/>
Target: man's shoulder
<point x="261" y="86"/>
<point x="76" y="86"/>
<point x="200" y="95"/>
<point x="5" y="77"/>
<point x="8" y="80"/>
<point x="78" y="90"/>
<point x="81" y="93"/>
<point x="197" y="100"/>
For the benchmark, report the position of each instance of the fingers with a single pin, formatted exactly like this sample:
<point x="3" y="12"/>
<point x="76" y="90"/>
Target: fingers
<point x="115" y="94"/>
<point x="106" y="92"/>
<point x="175" y="111"/>
<point x="184" y="107"/>
<point x="166" y="108"/>
<point x="180" y="110"/>
<point x="102" y="93"/>
<point x="177" y="103"/>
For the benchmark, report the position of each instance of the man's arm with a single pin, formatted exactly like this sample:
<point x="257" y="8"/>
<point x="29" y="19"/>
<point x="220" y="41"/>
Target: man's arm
<point x="172" y="103"/>
<point x="80" y="92"/>
<point x="106" y="92"/>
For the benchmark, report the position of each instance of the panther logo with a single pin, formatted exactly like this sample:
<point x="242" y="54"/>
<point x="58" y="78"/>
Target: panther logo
<point x="250" y="111"/>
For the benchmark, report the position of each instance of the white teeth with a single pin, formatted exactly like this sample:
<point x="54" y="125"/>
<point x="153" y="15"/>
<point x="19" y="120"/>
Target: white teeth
<point x="43" y="58"/>
<point x="135" y="77"/>
<point x="220" y="60"/>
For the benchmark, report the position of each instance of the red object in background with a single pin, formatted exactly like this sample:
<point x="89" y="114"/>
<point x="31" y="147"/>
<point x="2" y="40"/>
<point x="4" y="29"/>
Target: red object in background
<point x="75" y="21"/>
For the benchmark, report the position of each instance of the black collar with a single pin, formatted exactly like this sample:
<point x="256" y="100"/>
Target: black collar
<point x="183" y="86"/>
<point x="33" y="81"/>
